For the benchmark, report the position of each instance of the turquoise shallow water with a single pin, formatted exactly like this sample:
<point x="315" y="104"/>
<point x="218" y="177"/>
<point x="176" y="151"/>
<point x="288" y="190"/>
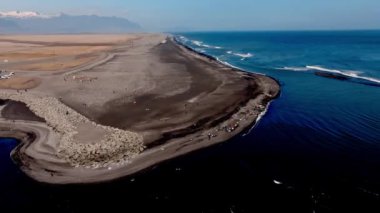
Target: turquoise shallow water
<point x="316" y="150"/>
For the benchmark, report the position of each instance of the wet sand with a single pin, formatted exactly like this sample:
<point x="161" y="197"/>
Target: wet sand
<point x="176" y="100"/>
<point x="14" y="110"/>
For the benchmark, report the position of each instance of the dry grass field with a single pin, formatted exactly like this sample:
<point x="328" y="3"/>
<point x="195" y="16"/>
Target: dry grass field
<point x="54" y="52"/>
<point x="19" y="83"/>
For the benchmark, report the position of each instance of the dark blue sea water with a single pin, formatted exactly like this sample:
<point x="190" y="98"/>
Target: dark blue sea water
<point x="316" y="150"/>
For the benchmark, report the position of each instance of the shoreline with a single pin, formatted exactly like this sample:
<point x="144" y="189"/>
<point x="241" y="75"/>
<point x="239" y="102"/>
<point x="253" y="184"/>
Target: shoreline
<point x="204" y="133"/>
<point x="225" y="63"/>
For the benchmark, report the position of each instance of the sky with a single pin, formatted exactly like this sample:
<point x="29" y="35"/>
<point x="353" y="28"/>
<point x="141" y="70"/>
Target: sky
<point x="208" y="15"/>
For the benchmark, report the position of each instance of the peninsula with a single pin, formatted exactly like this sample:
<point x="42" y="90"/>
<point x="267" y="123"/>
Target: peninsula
<point x="93" y="108"/>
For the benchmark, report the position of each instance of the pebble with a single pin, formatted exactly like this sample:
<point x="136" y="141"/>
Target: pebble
<point x="64" y="121"/>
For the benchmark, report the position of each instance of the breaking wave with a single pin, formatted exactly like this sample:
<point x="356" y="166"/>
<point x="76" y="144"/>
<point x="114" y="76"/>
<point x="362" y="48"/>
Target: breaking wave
<point x="242" y="55"/>
<point x="297" y="69"/>
<point x="352" y="75"/>
<point x="202" y="44"/>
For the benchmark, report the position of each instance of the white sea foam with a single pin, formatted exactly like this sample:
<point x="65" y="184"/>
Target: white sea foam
<point x="347" y="73"/>
<point x="246" y="55"/>
<point x="227" y="64"/>
<point x="200" y="50"/>
<point x="202" y="44"/>
<point x="183" y="39"/>
<point x="243" y="56"/>
<point x="297" y="69"/>
<point x="352" y="74"/>
<point x="211" y="47"/>
<point x="198" y="43"/>
<point x="258" y="119"/>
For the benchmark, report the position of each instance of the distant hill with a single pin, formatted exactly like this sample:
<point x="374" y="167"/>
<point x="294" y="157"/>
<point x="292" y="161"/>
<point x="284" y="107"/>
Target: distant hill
<point x="32" y="22"/>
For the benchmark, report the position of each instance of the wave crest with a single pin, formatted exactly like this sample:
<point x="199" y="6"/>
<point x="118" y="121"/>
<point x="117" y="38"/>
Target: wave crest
<point x="202" y="44"/>
<point x="243" y="56"/>
<point x="297" y="69"/>
<point x="353" y="75"/>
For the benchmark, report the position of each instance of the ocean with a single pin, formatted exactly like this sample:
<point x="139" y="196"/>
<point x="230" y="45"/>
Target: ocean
<point x="317" y="149"/>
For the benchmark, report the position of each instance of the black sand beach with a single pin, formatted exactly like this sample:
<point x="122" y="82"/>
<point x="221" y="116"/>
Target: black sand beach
<point x="177" y="100"/>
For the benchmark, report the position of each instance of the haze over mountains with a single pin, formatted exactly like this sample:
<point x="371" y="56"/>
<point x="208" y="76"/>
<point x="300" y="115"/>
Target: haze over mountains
<point x="34" y="22"/>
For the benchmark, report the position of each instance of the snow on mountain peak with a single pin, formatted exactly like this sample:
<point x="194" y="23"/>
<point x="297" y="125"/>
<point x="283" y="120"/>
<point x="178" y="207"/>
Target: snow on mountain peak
<point x="22" y="14"/>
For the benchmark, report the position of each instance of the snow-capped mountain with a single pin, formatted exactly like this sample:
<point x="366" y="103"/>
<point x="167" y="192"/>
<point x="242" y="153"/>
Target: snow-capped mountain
<point x="36" y="23"/>
<point x="22" y="14"/>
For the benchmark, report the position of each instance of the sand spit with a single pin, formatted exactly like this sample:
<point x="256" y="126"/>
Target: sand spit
<point x="139" y="104"/>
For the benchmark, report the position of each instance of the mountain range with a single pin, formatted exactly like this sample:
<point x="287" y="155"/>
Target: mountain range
<point x="34" y="23"/>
